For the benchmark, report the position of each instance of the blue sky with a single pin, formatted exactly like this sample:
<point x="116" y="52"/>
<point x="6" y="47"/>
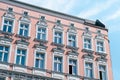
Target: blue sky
<point x="107" y="11"/>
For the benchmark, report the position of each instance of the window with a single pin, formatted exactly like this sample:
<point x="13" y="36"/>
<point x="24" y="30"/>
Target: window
<point x="7" y="25"/>
<point x="87" y="43"/>
<point x="41" y="33"/>
<point x="21" y="56"/>
<point x="24" y="29"/>
<point x="72" y="40"/>
<point x="40" y="60"/>
<point x="100" y="46"/>
<point x="4" y="52"/>
<point x="2" y="78"/>
<point x="57" y="64"/>
<point x="102" y="72"/>
<point x="73" y="66"/>
<point x="58" y="37"/>
<point x="89" y="70"/>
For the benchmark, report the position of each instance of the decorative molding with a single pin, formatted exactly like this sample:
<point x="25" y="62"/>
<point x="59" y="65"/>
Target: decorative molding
<point x="40" y="40"/>
<point x="87" y="32"/>
<point x="58" y="26"/>
<point x="101" y="53"/>
<point x="101" y="58"/>
<point x="72" y="29"/>
<point x="41" y="46"/>
<point x="22" y="41"/>
<point x="58" y="49"/>
<point x="9" y="13"/>
<point x="88" y="56"/>
<point x="6" y="38"/>
<point x="87" y="51"/>
<point x="25" y="17"/>
<point x="73" y="52"/>
<point x="6" y="33"/>
<point x="23" y="37"/>
<point x="57" y="44"/>
<point x="42" y="22"/>
<point x="73" y="48"/>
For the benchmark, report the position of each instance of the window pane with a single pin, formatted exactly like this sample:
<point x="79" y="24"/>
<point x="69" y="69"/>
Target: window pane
<point x="7" y="49"/>
<point x="38" y="36"/>
<point x="4" y="28"/>
<point x="1" y="47"/>
<point x="0" y="56"/>
<point x="55" y="66"/>
<point x="42" y="64"/>
<point x="37" y="63"/>
<point x="23" y="60"/>
<point x="5" y="57"/>
<point x="18" y="59"/>
<point x="44" y="36"/>
<point x="25" y="32"/>
<point x="21" y="32"/>
<point x="60" y="67"/>
<point x="9" y="28"/>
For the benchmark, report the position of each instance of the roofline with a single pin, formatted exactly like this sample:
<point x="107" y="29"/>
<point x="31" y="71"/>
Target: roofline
<point x="52" y="13"/>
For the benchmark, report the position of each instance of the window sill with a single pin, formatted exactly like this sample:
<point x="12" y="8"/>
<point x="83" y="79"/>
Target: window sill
<point x="88" y="78"/>
<point x="22" y="42"/>
<point x="101" y="53"/>
<point x="58" y="72"/>
<point x="40" y="40"/>
<point x="24" y="37"/>
<point x="6" y="38"/>
<point x="71" y="47"/>
<point x="6" y="33"/>
<point x="87" y="51"/>
<point x="57" y="44"/>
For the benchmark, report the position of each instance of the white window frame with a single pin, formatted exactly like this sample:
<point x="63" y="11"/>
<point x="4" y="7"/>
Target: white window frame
<point x="76" y="39"/>
<point x="104" y="50"/>
<point x="103" y="64"/>
<point x="74" y="58"/>
<point x="45" y="57"/>
<point x="20" y="46"/>
<point x="58" y="54"/>
<point x="29" y="28"/>
<point x="55" y="30"/>
<point x="85" y="37"/>
<point x="93" y="66"/>
<point x="40" y="26"/>
<point x="6" y="18"/>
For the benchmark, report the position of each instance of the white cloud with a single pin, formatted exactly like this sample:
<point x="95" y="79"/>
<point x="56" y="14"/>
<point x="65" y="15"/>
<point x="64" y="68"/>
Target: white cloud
<point x="58" y="5"/>
<point x="99" y="7"/>
<point x="113" y="16"/>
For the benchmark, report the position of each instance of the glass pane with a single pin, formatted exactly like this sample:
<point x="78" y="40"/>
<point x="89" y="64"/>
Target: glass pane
<point x="55" y="39"/>
<point x="44" y="36"/>
<point x="4" y="28"/>
<point x="17" y="59"/>
<point x="24" y="52"/>
<point x="37" y="63"/>
<point x="21" y="32"/>
<point x="60" y="40"/>
<point x="55" y="66"/>
<point x="6" y="21"/>
<point x="74" y="70"/>
<point x="5" y="57"/>
<point x="37" y="54"/>
<point x="0" y="56"/>
<point x="10" y="29"/>
<point x="7" y="49"/>
<point x="38" y="36"/>
<point x="23" y="60"/>
<point x="18" y="51"/>
<point x="26" y="26"/>
<point x="60" y="67"/>
<point x="25" y="32"/>
<point x="21" y="25"/>
<point x="1" y="47"/>
<point x="42" y="64"/>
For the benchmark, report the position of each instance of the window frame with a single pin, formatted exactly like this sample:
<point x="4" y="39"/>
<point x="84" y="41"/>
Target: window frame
<point x="20" y="46"/>
<point x="29" y="27"/>
<point x="104" y="50"/>
<point x="92" y="69"/>
<point x="7" y="18"/>
<point x="55" y="30"/>
<point x="84" y="37"/>
<point x="74" y="57"/>
<point x="40" y="51"/>
<point x="103" y="64"/>
<point x="58" y="54"/>
<point x="41" y="26"/>
<point x="73" y="34"/>
<point x="93" y="66"/>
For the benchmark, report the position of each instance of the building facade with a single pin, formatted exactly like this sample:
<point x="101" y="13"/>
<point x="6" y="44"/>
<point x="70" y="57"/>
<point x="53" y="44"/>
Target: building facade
<point x="41" y="44"/>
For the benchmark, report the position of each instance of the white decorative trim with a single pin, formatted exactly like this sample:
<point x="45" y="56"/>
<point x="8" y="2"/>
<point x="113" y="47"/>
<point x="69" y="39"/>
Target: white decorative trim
<point x="103" y="64"/>
<point x="93" y="66"/>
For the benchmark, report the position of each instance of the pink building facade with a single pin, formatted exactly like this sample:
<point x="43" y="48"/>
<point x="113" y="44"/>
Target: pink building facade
<point x="41" y="44"/>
